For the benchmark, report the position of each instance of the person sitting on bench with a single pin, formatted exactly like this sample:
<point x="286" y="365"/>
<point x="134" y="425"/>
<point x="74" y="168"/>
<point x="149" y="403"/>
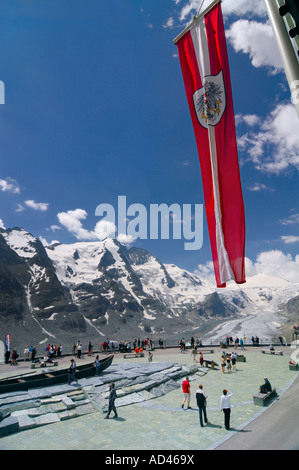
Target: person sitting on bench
<point x="266" y="386"/>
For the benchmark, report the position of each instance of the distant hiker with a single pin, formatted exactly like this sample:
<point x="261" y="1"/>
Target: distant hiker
<point x="194" y="353"/>
<point x="186" y="392"/>
<point x="201" y="359"/>
<point x="71" y="373"/>
<point x="111" y="406"/>
<point x="33" y="354"/>
<point x="7" y="356"/>
<point x="97" y="365"/>
<point x="79" y="349"/>
<point x="14" y="357"/>
<point x="201" y="400"/>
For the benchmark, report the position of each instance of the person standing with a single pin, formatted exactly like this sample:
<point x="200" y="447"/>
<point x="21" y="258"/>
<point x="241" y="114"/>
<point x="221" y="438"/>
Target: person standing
<point x="71" y="372"/>
<point x="79" y="349"/>
<point x="223" y="364"/>
<point x="201" y="359"/>
<point x="228" y="364"/>
<point x="234" y="360"/>
<point x="97" y="365"/>
<point x="111" y="406"/>
<point x="225" y="407"/>
<point x="186" y="393"/>
<point x="201" y="400"/>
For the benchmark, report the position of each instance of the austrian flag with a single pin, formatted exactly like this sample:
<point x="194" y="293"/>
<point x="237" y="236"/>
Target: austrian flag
<point x="204" y="61"/>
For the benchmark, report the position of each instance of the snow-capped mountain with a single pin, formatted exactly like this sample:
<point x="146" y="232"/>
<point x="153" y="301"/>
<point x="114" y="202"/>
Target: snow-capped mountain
<point x="92" y="290"/>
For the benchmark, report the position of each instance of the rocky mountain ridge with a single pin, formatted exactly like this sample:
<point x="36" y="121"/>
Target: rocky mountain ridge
<point x="92" y="290"/>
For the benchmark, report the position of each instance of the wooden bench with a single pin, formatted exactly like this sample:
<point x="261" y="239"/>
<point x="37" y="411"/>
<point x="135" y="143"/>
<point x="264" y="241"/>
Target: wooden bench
<point x="208" y="363"/>
<point x="129" y="355"/>
<point x="278" y="353"/>
<point x="48" y="364"/>
<point x="206" y="351"/>
<point x="262" y="399"/>
<point x="241" y="359"/>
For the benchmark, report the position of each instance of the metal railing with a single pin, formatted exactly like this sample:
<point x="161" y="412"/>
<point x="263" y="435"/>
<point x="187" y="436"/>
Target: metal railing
<point x="156" y="344"/>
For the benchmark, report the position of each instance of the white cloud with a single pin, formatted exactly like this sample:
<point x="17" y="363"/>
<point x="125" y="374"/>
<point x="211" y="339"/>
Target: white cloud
<point x="275" y="263"/>
<point x="54" y="228"/>
<point x="293" y="219"/>
<point x="104" y="229"/>
<point x="125" y="239"/>
<point x="20" y="208"/>
<point x="249" y="119"/>
<point x="256" y="187"/>
<point x="257" y="40"/>
<point x="244" y="7"/>
<point x="44" y="241"/>
<point x="71" y="220"/>
<point x="272" y="263"/>
<point x="275" y="146"/>
<point x="290" y="239"/>
<point x="9" y="185"/>
<point x="2" y="224"/>
<point x="229" y="7"/>
<point x="169" y="23"/>
<point x="37" y="206"/>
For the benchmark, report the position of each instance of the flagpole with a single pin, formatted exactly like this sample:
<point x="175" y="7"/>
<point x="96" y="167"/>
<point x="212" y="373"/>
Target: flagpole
<point x="287" y="53"/>
<point x="195" y="19"/>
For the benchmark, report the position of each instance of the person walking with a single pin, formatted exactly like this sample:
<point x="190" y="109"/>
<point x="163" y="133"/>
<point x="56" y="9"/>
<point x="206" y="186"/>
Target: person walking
<point x="71" y="373"/>
<point x="201" y="400"/>
<point x="201" y="359"/>
<point x="111" y="406"/>
<point x="186" y="393"/>
<point x="234" y="360"/>
<point x="228" y="364"/>
<point x="97" y="366"/>
<point x="225" y="407"/>
<point x="223" y="364"/>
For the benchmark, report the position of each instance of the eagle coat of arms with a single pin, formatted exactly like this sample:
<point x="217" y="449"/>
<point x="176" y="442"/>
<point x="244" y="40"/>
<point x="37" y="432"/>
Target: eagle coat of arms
<point x="210" y="100"/>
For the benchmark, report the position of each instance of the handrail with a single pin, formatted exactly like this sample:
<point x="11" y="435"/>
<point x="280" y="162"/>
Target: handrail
<point x="167" y="344"/>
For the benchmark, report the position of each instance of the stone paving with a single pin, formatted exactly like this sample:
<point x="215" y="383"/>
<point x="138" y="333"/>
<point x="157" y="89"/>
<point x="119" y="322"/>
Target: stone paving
<point x="160" y="423"/>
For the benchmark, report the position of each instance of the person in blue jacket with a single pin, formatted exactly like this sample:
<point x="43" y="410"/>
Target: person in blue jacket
<point x="112" y="397"/>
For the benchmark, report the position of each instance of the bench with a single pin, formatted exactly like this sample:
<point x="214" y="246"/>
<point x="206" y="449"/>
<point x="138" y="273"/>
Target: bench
<point x="262" y="399"/>
<point x="278" y="353"/>
<point x="241" y="359"/>
<point x="207" y="351"/>
<point x="208" y="363"/>
<point x="48" y="364"/>
<point x="129" y="355"/>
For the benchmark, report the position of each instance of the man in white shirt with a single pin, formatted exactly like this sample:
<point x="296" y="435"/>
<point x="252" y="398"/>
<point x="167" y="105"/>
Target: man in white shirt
<point x="225" y="407"/>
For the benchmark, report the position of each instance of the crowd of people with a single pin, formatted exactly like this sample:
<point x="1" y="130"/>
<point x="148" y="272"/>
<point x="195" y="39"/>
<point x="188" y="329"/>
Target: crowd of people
<point x="228" y="364"/>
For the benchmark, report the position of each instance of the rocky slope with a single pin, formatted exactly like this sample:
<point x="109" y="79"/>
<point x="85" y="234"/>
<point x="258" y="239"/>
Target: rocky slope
<point x="92" y="290"/>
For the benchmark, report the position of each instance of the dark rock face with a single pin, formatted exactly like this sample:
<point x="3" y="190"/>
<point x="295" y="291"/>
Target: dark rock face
<point x="89" y="291"/>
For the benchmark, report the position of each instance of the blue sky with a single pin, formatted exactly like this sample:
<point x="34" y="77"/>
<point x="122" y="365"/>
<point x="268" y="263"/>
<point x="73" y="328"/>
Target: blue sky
<point x="95" y="108"/>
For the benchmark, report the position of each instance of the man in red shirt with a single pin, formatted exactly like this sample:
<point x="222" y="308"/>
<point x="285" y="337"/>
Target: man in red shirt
<point x="186" y="392"/>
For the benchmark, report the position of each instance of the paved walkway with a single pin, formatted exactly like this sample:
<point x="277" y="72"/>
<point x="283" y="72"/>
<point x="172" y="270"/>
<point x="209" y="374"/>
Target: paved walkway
<point x="161" y="423"/>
